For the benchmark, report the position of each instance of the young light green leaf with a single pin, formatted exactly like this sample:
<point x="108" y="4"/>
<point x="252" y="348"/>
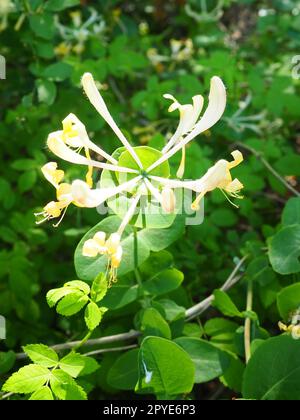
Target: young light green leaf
<point x="41" y="354"/>
<point x="99" y="288"/>
<point x="72" y="303"/>
<point x="80" y="285"/>
<point x="76" y="364"/>
<point x="93" y="315"/>
<point x="27" y="379"/>
<point x="64" y="387"/>
<point x="44" y="393"/>
<point x="54" y="295"/>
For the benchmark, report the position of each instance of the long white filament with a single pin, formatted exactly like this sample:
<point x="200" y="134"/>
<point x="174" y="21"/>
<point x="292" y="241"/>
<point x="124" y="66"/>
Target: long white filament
<point x="128" y="216"/>
<point x="97" y="101"/>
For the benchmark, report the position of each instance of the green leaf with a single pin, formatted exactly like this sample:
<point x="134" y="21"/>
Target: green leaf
<point x="44" y="393"/>
<point x="27" y="180"/>
<point x="164" y="368"/>
<point x="164" y="282"/>
<point x="124" y="372"/>
<point x="58" y="72"/>
<point x="210" y="362"/>
<point x="273" y="371"/>
<point x="28" y="379"/>
<point x="284" y="250"/>
<point x="288" y="301"/>
<point x="76" y="364"/>
<point x="233" y="376"/>
<point x="152" y="323"/>
<point x="291" y="212"/>
<point x="222" y="332"/>
<point x="7" y="360"/>
<point x="159" y="239"/>
<point x="72" y="303"/>
<point x="46" y="91"/>
<point x="223" y="302"/>
<point x="289" y="165"/>
<point x="78" y="284"/>
<point x="42" y="25"/>
<point x="64" y="387"/>
<point x="93" y="315"/>
<point x="54" y="295"/>
<point x="41" y="354"/>
<point x="58" y="5"/>
<point x="99" y="288"/>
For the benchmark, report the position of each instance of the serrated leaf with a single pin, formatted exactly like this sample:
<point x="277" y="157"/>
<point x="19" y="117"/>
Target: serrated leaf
<point x="44" y="393"/>
<point x="41" y="354"/>
<point x="76" y="364"/>
<point x="92" y="315"/>
<point x="54" y="295"/>
<point x="78" y="284"/>
<point x="99" y="288"/>
<point x="64" y="387"/>
<point x="28" y="379"/>
<point x="72" y="303"/>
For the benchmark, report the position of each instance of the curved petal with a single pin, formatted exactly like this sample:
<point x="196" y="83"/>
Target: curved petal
<point x="214" y="111"/>
<point x="60" y="149"/>
<point x="97" y="101"/>
<point x="83" y="139"/>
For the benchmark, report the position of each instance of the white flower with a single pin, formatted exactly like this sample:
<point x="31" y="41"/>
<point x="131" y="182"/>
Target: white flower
<point x="69" y="143"/>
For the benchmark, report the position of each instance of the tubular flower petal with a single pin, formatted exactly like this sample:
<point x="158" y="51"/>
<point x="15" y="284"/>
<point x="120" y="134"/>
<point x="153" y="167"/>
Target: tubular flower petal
<point x="52" y="174"/>
<point x="60" y="149"/>
<point x="97" y="101"/>
<point x="189" y="115"/>
<point x="168" y="200"/>
<point x="214" y="111"/>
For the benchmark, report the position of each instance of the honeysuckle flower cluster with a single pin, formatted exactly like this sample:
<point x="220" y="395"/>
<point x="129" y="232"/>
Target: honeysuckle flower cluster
<point x="73" y="145"/>
<point x="75" y="37"/>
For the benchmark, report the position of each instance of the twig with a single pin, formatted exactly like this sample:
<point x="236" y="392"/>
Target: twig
<point x="270" y="168"/>
<point x="247" y="327"/>
<point x="100" y="351"/>
<point x="191" y="313"/>
<point x="200" y="307"/>
<point x="93" y="342"/>
<point x="116" y="90"/>
<point x="5" y="396"/>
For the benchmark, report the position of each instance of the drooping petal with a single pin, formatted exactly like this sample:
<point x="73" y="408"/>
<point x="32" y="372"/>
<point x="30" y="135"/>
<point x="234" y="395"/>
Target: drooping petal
<point x="214" y="111"/>
<point x="60" y="149"/>
<point x="52" y="174"/>
<point x="82" y="139"/>
<point x="97" y="101"/>
<point x="189" y="115"/>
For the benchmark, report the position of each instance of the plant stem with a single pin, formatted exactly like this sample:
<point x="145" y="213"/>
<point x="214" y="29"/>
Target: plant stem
<point x="270" y="168"/>
<point x="247" y="328"/>
<point x="191" y="313"/>
<point x="83" y="341"/>
<point x="100" y="351"/>
<point x="200" y="307"/>
<point x="135" y="256"/>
